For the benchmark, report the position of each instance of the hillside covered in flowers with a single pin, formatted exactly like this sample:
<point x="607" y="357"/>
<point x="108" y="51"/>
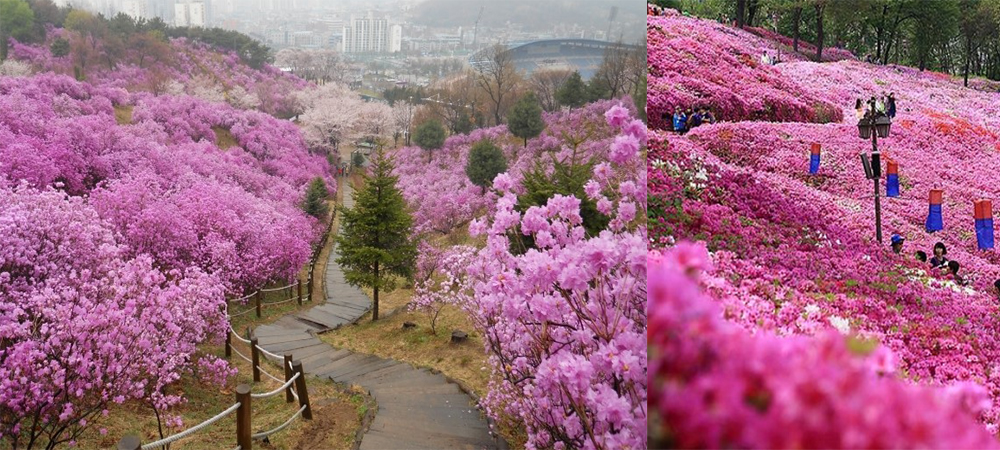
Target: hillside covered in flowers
<point x="133" y="200"/>
<point x="782" y="312"/>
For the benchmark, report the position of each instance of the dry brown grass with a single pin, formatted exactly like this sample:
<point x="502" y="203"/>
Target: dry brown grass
<point x="224" y="139"/>
<point x="123" y="114"/>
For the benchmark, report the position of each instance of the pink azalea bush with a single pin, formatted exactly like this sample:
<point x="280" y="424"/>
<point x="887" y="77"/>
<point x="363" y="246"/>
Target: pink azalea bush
<point x="440" y="193"/>
<point x="120" y="241"/>
<point x="695" y="63"/>
<point x="563" y="323"/>
<point x="807" y="51"/>
<point x="714" y="384"/>
<point x="82" y="323"/>
<point x="181" y="66"/>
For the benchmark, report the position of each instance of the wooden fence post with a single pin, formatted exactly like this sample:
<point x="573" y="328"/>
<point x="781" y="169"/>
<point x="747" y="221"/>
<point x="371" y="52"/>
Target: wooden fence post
<point x="310" y="287"/>
<point x="300" y="387"/>
<point x="255" y="357"/>
<point x="257" y="301"/>
<point x="243" y="417"/>
<point x="130" y="442"/>
<point x="288" y="376"/>
<point x="300" y="292"/>
<point x="229" y="343"/>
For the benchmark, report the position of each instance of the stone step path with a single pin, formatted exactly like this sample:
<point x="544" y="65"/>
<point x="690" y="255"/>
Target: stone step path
<point x="416" y="408"/>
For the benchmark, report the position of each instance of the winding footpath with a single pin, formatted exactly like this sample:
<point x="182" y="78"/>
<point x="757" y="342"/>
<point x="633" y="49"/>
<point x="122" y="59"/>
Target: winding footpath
<point x="416" y="408"/>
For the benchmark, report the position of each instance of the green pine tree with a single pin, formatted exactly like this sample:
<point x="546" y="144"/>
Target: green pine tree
<point x="315" y="202"/>
<point x="485" y="162"/>
<point x="374" y="242"/>
<point x="429" y="136"/>
<point x="565" y="178"/>
<point x="573" y="92"/>
<point x="640" y="99"/>
<point x="525" y="119"/>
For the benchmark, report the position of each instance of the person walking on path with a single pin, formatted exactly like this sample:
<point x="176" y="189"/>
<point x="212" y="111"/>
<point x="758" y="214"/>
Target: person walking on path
<point x="891" y="107"/>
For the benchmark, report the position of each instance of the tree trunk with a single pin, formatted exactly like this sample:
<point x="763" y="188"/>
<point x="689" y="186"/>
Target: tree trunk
<point x="968" y="58"/>
<point x="375" y="296"/>
<point x="880" y="31"/>
<point x="819" y="32"/>
<point x="741" y="8"/>
<point x="795" y="28"/>
<point x="751" y="12"/>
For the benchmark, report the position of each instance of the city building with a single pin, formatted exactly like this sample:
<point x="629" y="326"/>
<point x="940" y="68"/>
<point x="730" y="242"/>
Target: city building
<point x="189" y="13"/>
<point x="137" y="9"/>
<point x="395" y="38"/>
<point x="369" y="34"/>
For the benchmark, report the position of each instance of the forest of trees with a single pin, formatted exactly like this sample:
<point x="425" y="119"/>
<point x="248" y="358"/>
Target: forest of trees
<point x="26" y="21"/>
<point x="960" y="37"/>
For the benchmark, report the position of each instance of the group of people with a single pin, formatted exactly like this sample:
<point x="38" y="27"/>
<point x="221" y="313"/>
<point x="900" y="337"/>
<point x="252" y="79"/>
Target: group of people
<point x="767" y="60"/>
<point x="684" y="121"/>
<point x="886" y="104"/>
<point x="939" y="261"/>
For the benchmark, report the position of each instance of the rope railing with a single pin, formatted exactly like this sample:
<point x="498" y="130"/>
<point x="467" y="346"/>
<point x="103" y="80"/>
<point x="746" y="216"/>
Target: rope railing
<point x="261" y="349"/>
<point x="280" y="288"/>
<point x="192" y="430"/>
<point x="244" y="297"/>
<point x="242" y="313"/>
<point x="238" y="337"/>
<point x="278" y="390"/>
<point x="293" y="374"/>
<point x="242" y="355"/>
<point x="288" y="422"/>
<point x="269" y="375"/>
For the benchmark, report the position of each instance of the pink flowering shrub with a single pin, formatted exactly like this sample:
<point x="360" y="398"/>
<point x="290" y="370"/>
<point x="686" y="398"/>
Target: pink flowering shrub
<point x="807" y="51"/>
<point x="214" y="370"/>
<point x="694" y="63"/>
<point x="441" y="195"/>
<point x="563" y="323"/>
<point x="713" y="384"/>
<point x="797" y="249"/>
<point x="179" y="66"/>
<point x="83" y="324"/>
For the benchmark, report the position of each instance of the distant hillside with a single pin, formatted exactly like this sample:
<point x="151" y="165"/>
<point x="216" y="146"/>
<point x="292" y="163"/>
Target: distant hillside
<point x="532" y="15"/>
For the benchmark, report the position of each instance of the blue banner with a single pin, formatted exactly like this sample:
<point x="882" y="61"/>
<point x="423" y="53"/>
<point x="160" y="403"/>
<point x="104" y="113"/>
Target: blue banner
<point x="984" y="233"/>
<point x="934" y="222"/>
<point x="814" y="163"/>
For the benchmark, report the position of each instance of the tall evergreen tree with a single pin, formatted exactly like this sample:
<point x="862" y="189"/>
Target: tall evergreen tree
<point x="374" y="243"/>
<point x="486" y="160"/>
<point x="315" y="202"/>
<point x="525" y="118"/>
<point x="573" y="93"/>
<point x="429" y="136"/>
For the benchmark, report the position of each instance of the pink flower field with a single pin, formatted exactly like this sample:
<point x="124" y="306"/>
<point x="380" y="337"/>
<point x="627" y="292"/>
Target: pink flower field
<point x="696" y="63"/>
<point x="776" y="320"/>
<point x="124" y="225"/>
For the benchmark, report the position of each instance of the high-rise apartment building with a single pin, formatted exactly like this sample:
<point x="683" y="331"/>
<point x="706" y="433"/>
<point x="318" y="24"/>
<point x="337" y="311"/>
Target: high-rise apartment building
<point x="369" y="34"/>
<point x="188" y="13"/>
<point x="137" y="9"/>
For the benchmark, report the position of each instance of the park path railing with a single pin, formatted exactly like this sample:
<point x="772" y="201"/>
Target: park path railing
<point x="257" y="297"/>
<point x="293" y="373"/>
<point x="293" y="385"/>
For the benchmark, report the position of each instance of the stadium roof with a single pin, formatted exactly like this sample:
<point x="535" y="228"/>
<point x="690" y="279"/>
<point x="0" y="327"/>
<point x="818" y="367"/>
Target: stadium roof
<point x="584" y="55"/>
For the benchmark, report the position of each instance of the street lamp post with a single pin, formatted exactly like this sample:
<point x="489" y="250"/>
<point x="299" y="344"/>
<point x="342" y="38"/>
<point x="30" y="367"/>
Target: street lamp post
<point x="409" y="122"/>
<point x="879" y="123"/>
